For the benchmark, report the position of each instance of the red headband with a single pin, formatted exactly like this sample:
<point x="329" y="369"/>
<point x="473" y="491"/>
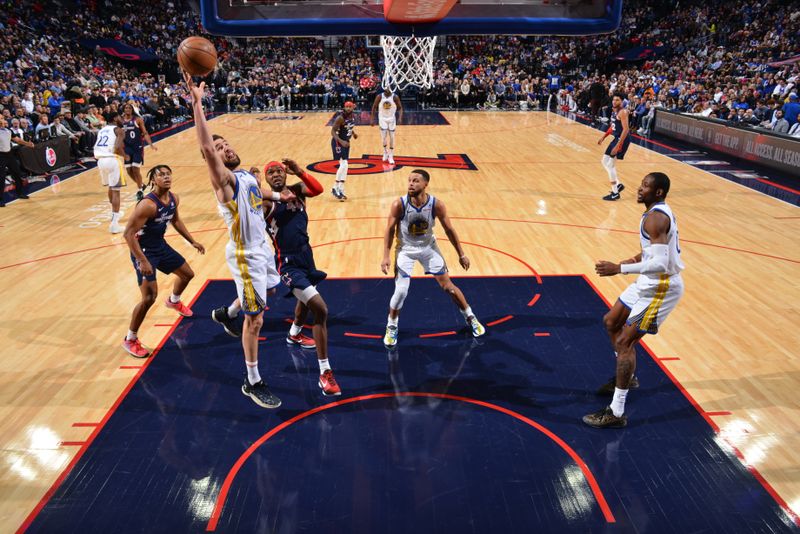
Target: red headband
<point x="271" y="164"/>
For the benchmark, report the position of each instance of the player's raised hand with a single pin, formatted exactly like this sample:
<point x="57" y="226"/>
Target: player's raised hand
<point x="292" y="167"/>
<point x="195" y="91"/>
<point x="464" y="261"/>
<point x="385" y="265"/>
<point x="255" y="171"/>
<point x="606" y="268"/>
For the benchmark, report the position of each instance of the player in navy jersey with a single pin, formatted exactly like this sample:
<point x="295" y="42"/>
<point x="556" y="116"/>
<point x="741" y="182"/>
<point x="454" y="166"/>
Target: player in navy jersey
<point x="135" y="132"/>
<point x="288" y="223"/>
<point x="150" y="252"/>
<point x="341" y="132"/>
<point x="616" y="150"/>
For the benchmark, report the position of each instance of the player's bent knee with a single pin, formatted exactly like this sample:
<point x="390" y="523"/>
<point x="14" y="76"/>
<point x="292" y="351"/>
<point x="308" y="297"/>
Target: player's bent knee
<point x="401" y="285"/>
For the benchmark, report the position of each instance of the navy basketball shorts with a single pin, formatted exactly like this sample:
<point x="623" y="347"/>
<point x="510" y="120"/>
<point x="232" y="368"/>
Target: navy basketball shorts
<point x="621" y="154"/>
<point x="135" y="156"/>
<point x="298" y="270"/>
<point x="339" y="151"/>
<point x="163" y="258"/>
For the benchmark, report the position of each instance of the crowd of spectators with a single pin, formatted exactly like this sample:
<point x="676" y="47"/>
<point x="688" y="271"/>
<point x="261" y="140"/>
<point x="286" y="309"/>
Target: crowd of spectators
<point x="725" y="60"/>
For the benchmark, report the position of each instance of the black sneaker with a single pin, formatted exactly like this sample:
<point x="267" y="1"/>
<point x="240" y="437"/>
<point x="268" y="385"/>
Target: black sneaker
<point x="260" y="394"/>
<point x="611" y="196"/>
<point x="342" y="196"/>
<point x="605" y="418"/>
<point x="608" y="387"/>
<point x="231" y="326"/>
<point x="621" y="188"/>
<point x="139" y="195"/>
<point x="336" y="193"/>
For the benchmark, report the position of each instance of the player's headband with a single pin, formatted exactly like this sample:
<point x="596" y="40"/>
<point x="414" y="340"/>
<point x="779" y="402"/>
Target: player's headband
<point x="271" y="164"/>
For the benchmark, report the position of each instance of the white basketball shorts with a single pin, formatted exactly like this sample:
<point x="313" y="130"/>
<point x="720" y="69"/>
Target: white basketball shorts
<point x="651" y="300"/>
<point x="387" y="123"/>
<point x="429" y="257"/>
<point x="112" y="172"/>
<point x="254" y="273"/>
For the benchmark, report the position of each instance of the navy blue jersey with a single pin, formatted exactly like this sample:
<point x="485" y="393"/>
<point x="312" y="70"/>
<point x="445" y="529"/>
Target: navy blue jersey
<point x="617" y="125"/>
<point x="346" y="129"/>
<point x="152" y="233"/>
<point x="133" y="134"/>
<point x="288" y="225"/>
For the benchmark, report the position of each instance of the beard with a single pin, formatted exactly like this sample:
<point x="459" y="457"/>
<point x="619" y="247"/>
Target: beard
<point x="232" y="164"/>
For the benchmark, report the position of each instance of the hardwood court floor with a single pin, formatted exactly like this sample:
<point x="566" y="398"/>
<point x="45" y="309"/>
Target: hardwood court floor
<point x="68" y="286"/>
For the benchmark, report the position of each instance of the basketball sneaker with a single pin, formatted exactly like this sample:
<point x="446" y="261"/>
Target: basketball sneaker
<point x="134" y="348"/>
<point x="605" y="418"/>
<point x="342" y="196"/>
<point x="608" y="387"/>
<point x="335" y="192"/>
<point x="391" y="160"/>
<point x="615" y="196"/>
<point x="115" y="228"/>
<point x="179" y="307"/>
<point x="477" y="328"/>
<point x="385" y="156"/>
<point x="390" y="338"/>
<point x="260" y="394"/>
<point x="301" y="340"/>
<point x="231" y="326"/>
<point x="139" y="195"/>
<point x="328" y="384"/>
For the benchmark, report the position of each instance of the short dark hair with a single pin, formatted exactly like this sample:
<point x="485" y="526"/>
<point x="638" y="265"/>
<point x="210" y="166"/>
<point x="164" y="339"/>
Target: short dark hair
<point x="621" y="96"/>
<point x="423" y="173"/>
<point x="660" y="181"/>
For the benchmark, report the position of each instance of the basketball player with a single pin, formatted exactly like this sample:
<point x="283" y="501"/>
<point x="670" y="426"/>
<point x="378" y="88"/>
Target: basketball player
<point x="412" y="219"/>
<point x="150" y="252"/>
<point x="341" y="132"/>
<point x="644" y="305"/>
<point x="247" y="252"/>
<point x="295" y="259"/>
<point x="616" y="150"/>
<point x="388" y="105"/>
<point x="109" y="150"/>
<point x="135" y="130"/>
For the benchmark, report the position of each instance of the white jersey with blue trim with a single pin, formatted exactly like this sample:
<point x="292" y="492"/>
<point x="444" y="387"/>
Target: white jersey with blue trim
<point x="416" y="224"/>
<point x="106" y="140"/>
<point x="674" y="264"/>
<point x="387" y="106"/>
<point x="244" y="214"/>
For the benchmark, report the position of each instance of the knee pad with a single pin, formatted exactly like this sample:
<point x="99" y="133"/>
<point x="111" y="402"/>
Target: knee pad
<point x="607" y="161"/>
<point x="401" y="285"/>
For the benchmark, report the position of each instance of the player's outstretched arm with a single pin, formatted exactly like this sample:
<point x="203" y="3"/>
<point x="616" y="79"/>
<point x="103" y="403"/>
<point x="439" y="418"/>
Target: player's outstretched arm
<point x="144" y="210"/>
<point x="395" y="213"/>
<point x="221" y="177"/>
<point x="310" y="186"/>
<point x="177" y="223"/>
<point x="450" y="232"/>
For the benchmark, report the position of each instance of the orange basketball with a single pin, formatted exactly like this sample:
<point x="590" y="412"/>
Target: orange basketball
<point x="197" y="56"/>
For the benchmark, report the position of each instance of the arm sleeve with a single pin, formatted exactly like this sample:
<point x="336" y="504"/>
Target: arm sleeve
<point x="314" y="187"/>
<point x="657" y="263"/>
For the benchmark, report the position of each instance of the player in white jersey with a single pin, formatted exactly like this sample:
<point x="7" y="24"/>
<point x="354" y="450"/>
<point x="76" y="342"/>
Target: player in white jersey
<point x="390" y="112"/>
<point x="644" y="305"/>
<point x="109" y="150"/>
<point x="248" y="253"/>
<point x="411" y="219"/>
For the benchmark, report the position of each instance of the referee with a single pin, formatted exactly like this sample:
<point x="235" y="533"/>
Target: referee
<point x="8" y="161"/>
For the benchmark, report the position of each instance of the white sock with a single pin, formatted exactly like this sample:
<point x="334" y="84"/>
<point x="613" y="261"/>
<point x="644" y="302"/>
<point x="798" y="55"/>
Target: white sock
<point x="392" y="322"/>
<point x="174" y="298"/>
<point x="233" y="310"/>
<point x="340" y="186"/>
<point x="615" y="186"/>
<point x="324" y="365"/>
<point x="618" y="403"/>
<point x="114" y="217"/>
<point x="131" y="336"/>
<point x="467" y="313"/>
<point x="295" y="329"/>
<point x="252" y="372"/>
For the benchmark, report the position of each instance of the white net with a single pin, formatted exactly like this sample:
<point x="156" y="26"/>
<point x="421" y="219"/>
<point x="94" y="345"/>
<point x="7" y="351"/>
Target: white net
<point x="408" y="61"/>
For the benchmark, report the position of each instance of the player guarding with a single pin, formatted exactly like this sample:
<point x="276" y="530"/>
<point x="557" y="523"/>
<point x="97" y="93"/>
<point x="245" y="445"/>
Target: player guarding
<point x="620" y="128"/>
<point x="295" y="259"/>
<point x="341" y="132"/>
<point x="150" y="252"/>
<point x="412" y="219"/>
<point x="135" y="132"/>
<point x="390" y="112"/>
<point x="109" y="150"/>
<point x="247" y="252"/>
<point x="644" y="305"/>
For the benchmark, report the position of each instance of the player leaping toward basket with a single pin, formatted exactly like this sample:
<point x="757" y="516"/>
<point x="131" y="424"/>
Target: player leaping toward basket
<point x="412" y="219"/>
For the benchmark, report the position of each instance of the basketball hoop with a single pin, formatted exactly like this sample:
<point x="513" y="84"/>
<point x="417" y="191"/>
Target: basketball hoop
<point x="408" y="61"/>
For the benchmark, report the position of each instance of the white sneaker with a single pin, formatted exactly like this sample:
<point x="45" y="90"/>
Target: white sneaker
<point x="115" y="228"/>
<point x="477" y="328"/>
<point x="391" y="160"/>
<point x="385" y="156"/>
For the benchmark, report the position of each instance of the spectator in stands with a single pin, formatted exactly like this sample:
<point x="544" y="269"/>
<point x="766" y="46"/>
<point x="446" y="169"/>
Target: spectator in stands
<point x="781" y="125"/>
<point x="44" y="129"/>
<point x="791" y="109"/>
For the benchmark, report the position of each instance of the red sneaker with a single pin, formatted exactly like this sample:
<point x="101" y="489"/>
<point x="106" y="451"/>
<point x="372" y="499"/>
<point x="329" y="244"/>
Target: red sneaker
<point x="304" y="341"/>
<point x="179" y="307"/>
<point x="135" y="348"/>
<point x="328" y="384"/>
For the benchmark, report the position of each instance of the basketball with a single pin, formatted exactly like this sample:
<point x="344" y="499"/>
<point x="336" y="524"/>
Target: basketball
<point x="197" y="56"/>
